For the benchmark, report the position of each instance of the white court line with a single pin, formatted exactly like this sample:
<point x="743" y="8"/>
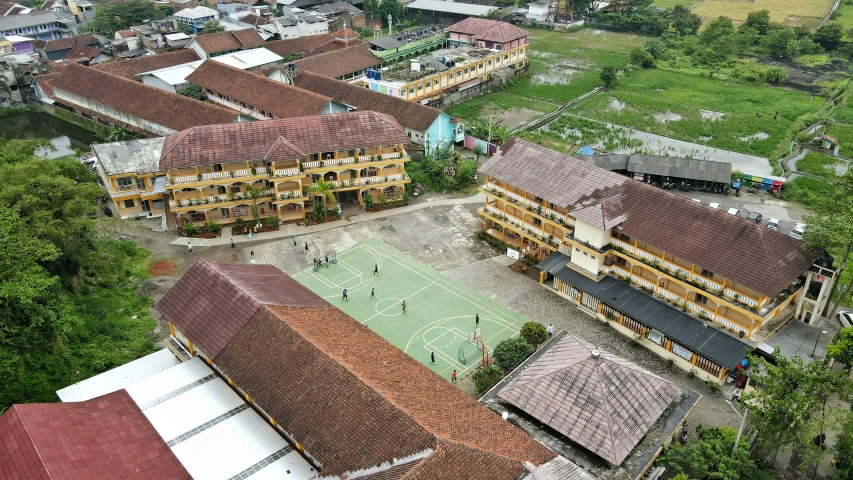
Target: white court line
<point x="397" y="305"/>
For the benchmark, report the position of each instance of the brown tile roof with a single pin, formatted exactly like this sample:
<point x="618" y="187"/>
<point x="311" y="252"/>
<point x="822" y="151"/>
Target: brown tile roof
<point x="339" y="63"/>
<point x="131" y="68"/>
<point x="235" y="142"/>
<point x="489" y="30"/>
<point x="279" y="99"/>
<point x="164" y="108"/>
<point x="560" y="469"/>
<point x="229" y="41"/>
<point x="410" y="114"/>
<point x="711" y="239"/>
<point x="197" y="302"/>
<point x="255" y="20"/>
<point x="126" y="33"/>
<point x="604" y="403"/>
<point x="299" y="44"/>
<point x="82" y="52"/>
<point x="604" y="215"/>
<point x="68" y="42"/>
<point x="104" y="438"/>
<point x="351" y="398"/>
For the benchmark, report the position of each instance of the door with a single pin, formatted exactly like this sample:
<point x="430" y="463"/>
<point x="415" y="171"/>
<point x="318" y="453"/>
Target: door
<point x="146" y="206"/>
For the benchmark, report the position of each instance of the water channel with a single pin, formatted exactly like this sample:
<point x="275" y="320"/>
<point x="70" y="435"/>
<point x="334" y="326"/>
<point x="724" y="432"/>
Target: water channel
<point x="64" y="136"/>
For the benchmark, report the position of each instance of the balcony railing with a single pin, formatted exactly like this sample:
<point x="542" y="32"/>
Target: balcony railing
<point x="214" y="199"/>
<point x="290" y="195"/>
<point x="546" y="213"/>
<point x="669" y="295"/>
<point x="739" y="297"/>
<point x="643" y="282"/>
<point x="218" y="175"/>
<point x="675" y="268"/>
<point x="706" y="282"/>
<point x="286" y="172"/>
<point x="622" y="245"/>
<point x="331" y="162"/>
<point x="566" y="250"/>
<point x="723" y="321"/>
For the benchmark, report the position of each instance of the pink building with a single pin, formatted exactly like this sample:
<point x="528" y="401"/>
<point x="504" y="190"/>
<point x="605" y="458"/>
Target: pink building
<point x="486" y="34"/>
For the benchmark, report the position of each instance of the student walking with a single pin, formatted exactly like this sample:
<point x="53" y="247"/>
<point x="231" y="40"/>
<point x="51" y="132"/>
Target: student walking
<point x="294" y="241"/>
<point x="432" y="358"/>
<point x="252" y="254"/>
<point x="190" y="247"/>
<point x="453" y="376"/>
<point x="404" y="306"/>
<point x="375" y="270"/>
<point x="550" y="330"/>
<point x="345" y="297"/>
<point x="477" y="320"/>
<point x="372" y="293"/>
<point x="232" y="243"/>
<point x="306" y="246"/>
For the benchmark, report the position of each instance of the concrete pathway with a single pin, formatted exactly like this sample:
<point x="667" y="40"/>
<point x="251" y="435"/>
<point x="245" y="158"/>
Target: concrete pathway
<point x="293" y="230"/>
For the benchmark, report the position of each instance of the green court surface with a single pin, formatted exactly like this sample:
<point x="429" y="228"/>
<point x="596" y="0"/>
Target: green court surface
<point x="439" y="312"/>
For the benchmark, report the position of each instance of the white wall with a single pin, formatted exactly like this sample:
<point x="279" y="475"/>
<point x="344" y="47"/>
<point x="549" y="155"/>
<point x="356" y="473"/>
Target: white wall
<point x="590" y="234"/>
<point x="156" y="82"/>
<point x="587" y="261"/>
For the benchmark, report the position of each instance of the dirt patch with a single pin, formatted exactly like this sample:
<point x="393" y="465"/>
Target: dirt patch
<point x="513" y="117"/>
<point x="755" y="136"/>
<point x="705" y="139"/>
<point x="155" y="288"/>
<point x="163" y="268"/>
<point x="615" y="104"/>
<point x="712" y="115"/>
<point x="667" y="117"/>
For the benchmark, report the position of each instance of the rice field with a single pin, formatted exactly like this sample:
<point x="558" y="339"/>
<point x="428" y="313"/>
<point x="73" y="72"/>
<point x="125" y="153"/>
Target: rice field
<point x="844" y="134"/>
<point x="819" y="164"/>
<point x="787" y="12"/>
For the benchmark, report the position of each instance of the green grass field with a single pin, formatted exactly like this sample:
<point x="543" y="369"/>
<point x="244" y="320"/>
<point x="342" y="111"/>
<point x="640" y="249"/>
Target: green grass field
<point x="439" y="313"/>
<point x="817" y="163"/>
<point x="844" y="135"/>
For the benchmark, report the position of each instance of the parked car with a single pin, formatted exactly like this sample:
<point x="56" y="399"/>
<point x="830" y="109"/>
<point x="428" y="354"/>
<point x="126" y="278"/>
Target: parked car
<point x="773" y="224"/>
<point x="734" y="211"/>
<point x="715" y="205"/>
<point x="846" y="318"/>
<point x="798" y="231"/>
<point x="754" y="217"/>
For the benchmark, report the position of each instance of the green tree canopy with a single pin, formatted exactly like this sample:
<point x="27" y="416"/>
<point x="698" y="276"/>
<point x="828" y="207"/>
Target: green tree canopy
<point x="684" y="21"/>
<point x="759" y="20"/>
<point x="194" y="91"/>
<point x="512" y="351"/>
<point x="484" y="378"/>
<point x="392" y="7"/>
<point x="112" y="17"/>
<point x="841" y="349"/>
<point x="213" y="26"/>
<point x="609" y="77"/>
<point x="829" y="36"/>
<point x="534" y="332"/>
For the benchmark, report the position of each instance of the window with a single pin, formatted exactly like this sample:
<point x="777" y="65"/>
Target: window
<point x="682" y="352"/>
<point x="621" y="262"/>
<point x="420" y="87"/>
<point x="707" y="273"/>
<point x="124" y="183"/>
<point x="140" y="183"/>
<point x="700" y="299"/>
<point x="465" y="71"/>
<point x="128" y="204"/>
<point x="655" y="336"/>
<point x="315" y="156"/>
<point x="411" y="90"/>
<point x="480" y="66"/>
<point x="537" y="222"/>
<point x="489" y="63"/>
<point x="435" y="82"/>
<point x="499" y="46"/>
<point x="458" y="74"/>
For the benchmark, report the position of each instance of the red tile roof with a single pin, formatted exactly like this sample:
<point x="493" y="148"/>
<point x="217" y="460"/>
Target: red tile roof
<point x="68" y="42"/>
<point x="410" y="114"/>
<point x="279" y="99"/>
<point x="104" y="438"/>
<point x="489" y="30"/>
<point x="126" y="33"/>
<point x="710" y="238"/>
<point x="246" y="287"/>
<point x="81" y="52"/>
<point x="604" y="403"/>
<point x="339" y="63"/>
<point x="158" y="106"/>
<point x="131" y="68"/>
<point x="235" y="142"/>
<point x="299" y="44"/>
<point x="353" y="400"/>
<point x="255" y="20"/>
<point x="229" y="41"/>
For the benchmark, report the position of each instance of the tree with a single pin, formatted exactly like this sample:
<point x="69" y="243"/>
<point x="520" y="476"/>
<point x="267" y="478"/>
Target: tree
<point x="390" y="7"/>
<point x="608" y="76"/>
<point x="166" y="9"/>
<point x="780" y="40"/>
<point x="776" y="75"/>
<point x="213" y="26"/>
<point x="324" y="191"/>
<point x="641" y="57"/>
<point x="716" y="29"/>
<point x="842" y="463"/>
<point x="319" y="212"/>
<point x="185" y="29"/>
<point x="112" y="17"/>
<point x="759" y="20"/>
<point x="684" y="21"/>
<point x="484" y="378"/>
<point x="841" y="349"/>
<point x="788" y="408"/>
<point x="255" y="193"/>
<point x="828" y="36"/>
<point x="116" y="134"/>
<point x="830" y="228"/>
<point x="511" y="352"/>
<point x="656" y="47"/>
<point x="194" y="91"/>
<point x="711" y="457"/>
<point x="534" y="332"/>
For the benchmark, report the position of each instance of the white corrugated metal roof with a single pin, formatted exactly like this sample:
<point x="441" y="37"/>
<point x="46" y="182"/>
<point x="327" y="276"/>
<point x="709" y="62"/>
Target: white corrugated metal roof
<point x="452" y="7"/>
<point x="211" y="430"/>
<point x="175" y="75"/>
<point x="197" y="12"/>
<point x="248" y="58"/>
<point x="119" y="377"/>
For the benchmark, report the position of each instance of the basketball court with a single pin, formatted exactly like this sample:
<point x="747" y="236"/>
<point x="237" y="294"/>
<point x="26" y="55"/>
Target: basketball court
<point x="440" y="313"/>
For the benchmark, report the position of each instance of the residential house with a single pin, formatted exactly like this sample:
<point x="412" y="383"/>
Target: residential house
<point x="443" y="12"/>
<point x="598" y="233"/>
<point x="232" y="6"/>
<point x="225" y="42"/>
<point x="130" y="69"/>
<point x="21" y="44"/>
<point x="298" y="25"/>
<point x="82" y="10"/>
<point x="82" y="54"/>
<point x="130" y="173"/>
<point x="176" y="40"/>
<point x="259" y="97"/>
<point x="538" y="11"/>
<point x="424" y="125"/>
<point x="298" y="47"/>
<point x="112" y="100"/>
<point x="341" y="15"/>
<point x="340" y="378"/>
<point x="152" y="34"/>
<point x="209" y="169"/>
<point x="8" y="9"/>
<point x="58" y="6"/>
<point x="178" y="5"/>
<point x="19" y="70"/>
<point x="57" y="49"/>
<point x="174" y="78"/>
<point x="42" y="25"/>
<point x="125" y="40"/>
<point x="483" y="33"/>
<point x="196" y="17"/>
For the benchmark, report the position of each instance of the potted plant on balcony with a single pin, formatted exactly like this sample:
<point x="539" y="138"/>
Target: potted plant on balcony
<point x="199" y="177"/>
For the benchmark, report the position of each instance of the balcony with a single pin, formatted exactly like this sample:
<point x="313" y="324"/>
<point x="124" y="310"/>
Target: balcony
<point x="518" y="226"/>
<point x="332" y="162"/>
<point x="211" y="200"/>
<point x="290" y="196"/>
<point x="287" y="172"/>
<point x="546" y="213"/>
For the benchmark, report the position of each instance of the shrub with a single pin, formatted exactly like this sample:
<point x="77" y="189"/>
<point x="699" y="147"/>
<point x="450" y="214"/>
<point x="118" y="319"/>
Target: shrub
<point x="213" y="227"/>
<point x="641" y="57"/>
<point x="368" y="200"/>
<point x="484" y="378"/>
<point x="776" y="75"/>
<point x="271" y="221"/>
<point x="534" y="333"/>
<point x="511" y="352"/>
<point x="190" y="228"/>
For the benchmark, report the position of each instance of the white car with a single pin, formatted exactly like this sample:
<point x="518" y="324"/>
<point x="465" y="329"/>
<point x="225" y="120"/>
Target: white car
<point x="696" y="200"/>
<point x="734" y="211"/>
<point x="846" y="318"/>
<point x="798" y="231"/>
<point x="773" y="224"/>
<point x="715" y="205"/>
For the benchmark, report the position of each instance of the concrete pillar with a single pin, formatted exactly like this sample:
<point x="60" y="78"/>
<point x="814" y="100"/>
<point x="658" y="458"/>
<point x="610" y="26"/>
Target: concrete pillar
<point x="541" y="277"/>
<point x="801" y="298"/>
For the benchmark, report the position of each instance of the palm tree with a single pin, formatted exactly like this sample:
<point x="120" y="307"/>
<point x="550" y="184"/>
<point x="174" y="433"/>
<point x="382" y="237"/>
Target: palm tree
<point x="324" y="190"/>
<point x="255" y="193"/>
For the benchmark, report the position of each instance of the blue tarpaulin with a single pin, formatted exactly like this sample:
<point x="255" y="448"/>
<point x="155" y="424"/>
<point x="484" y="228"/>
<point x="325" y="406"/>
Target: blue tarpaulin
<point x="586" y="151"/>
